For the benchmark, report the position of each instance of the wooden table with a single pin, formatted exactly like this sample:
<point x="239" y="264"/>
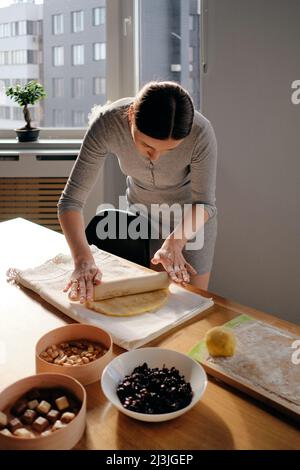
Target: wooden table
<point x="223" y="419"/>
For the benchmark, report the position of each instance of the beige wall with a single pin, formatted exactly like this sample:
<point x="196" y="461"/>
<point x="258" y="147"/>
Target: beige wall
<point x="252" y="52"/>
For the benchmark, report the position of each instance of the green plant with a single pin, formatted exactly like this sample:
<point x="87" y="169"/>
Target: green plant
<point x="26" y="95"/>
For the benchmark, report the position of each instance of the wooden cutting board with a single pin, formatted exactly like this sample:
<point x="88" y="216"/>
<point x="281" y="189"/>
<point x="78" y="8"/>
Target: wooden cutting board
<point x="262" y="365"/>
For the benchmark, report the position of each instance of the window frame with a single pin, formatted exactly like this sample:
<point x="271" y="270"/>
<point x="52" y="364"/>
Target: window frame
<point x="100" y="87"/>
<point x="58" y="110"/>
<point x="80" y="55"/>
<point x="74" y="20"/>
<point x="99" y="47"/>
<point x="55" y="23"/>
<point x="116" y="12"/>
<point x="77" y="112"/>
<point x="53" y="56"/>
<point x="103" y="9"/>
<point x="58" y="84"/>
<point x="75" y="87"/>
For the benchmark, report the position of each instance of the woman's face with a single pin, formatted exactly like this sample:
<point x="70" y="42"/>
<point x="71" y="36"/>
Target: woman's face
<point x="149" y="147"/>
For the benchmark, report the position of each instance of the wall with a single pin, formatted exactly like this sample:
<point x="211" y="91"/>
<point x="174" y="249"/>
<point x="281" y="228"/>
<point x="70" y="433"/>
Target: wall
<point x="252" y="52"/>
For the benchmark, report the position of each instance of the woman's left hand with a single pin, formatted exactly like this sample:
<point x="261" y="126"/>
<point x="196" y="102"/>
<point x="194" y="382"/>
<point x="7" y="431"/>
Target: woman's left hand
<point x="171" y="257"/>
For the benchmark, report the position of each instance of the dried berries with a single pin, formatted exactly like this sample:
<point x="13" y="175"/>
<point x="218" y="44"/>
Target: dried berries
<point x="154" y="391"/>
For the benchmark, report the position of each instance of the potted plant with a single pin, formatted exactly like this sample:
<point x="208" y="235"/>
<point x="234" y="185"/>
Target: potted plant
<point x="24" y="96"/>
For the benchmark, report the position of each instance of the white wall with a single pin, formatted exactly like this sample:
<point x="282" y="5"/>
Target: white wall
<point x="252" y="52"/>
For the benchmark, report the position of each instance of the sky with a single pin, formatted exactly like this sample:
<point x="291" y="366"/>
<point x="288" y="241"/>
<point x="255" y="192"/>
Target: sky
<point x="6" y="3"/>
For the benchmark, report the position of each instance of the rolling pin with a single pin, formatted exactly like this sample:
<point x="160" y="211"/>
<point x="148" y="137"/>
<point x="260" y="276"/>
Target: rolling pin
<point x="131" y="285"/>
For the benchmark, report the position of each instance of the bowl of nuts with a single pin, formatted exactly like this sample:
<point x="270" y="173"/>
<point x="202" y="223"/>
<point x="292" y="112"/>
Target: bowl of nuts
<point x="153" y="384"/>
<point x="42" y="412"/>
<point x="80" y="351"/>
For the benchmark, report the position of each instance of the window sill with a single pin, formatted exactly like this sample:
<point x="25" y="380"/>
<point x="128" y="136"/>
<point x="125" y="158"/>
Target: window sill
<point x="54" y="145"/>
<point x="48" y="134"/>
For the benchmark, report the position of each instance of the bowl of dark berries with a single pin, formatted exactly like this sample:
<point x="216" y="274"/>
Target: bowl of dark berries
<point x="153" y="384"/>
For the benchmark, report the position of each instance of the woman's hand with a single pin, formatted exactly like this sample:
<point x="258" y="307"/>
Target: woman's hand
<point x="171" y="257"/>
<point x="85" y="275"/>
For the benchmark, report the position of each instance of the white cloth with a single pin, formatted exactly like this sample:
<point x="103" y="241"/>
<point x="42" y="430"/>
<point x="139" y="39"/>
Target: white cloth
<point x="49" y="279"/>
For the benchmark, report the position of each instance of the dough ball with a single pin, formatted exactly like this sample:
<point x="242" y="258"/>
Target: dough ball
<point x="220" y="341"/>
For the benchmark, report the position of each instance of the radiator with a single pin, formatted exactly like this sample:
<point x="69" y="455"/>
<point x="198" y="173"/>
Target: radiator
<point x="34" y="199"/>
<point x="30" y="186"/>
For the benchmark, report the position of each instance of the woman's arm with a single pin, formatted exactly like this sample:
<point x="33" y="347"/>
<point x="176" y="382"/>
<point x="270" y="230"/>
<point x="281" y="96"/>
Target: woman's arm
<point x="72" y="224"/>
<point x="191" y="223"/>
<point x="204" y="170"/>
<point x="86" y="273"/>
<point x="203" y="182"/>
<point x="70" y="206"/>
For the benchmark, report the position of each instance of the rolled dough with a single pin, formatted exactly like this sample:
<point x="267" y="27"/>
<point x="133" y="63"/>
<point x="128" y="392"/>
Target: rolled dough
<point x="122" y="277"/>
<point x="130" y="305"/>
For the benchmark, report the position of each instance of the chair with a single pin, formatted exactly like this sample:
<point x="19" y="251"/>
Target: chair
<point x="135" y="250"/>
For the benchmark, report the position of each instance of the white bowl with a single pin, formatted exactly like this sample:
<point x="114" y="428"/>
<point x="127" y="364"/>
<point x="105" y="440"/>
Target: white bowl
<point x="124" y="364"/>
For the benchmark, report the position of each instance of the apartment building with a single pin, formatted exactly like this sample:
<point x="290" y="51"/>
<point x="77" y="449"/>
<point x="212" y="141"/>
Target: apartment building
<point x="170" y="43"/>
<point x="20" y="57"/>
<point x="74" y="60"/>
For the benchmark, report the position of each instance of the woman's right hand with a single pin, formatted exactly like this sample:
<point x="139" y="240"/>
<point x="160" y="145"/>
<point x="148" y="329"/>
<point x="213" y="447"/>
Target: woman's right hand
<point x="85" y="275"/>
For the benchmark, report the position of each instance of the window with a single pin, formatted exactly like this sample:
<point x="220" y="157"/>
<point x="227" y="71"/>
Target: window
<point x="31" y="27"/>
<point x="78" y="54"/>
<point x="13" y="29"/>
<point x="3" y="57"/>
<point x="78" y="118"/>
<point x="191" y="22"/>
<point x="98" y="16"/>
<point x="178" y="29"/>
<point x="4" y="83"/>
<point x="22" y="28"/>
<point x="99" y="51"/>
<point x="6" y="30"/>
<point x="32" y="57"/>
<point x="58" y="87"/>
<point x="77" y="87"/>
<point x="99" y="86"/>
<point x="4" y="112"/>
<point x="57" y="24"/>
<point x="59" y="27"/>
<point x="18" y="113"/>
<point x="20" y="57"/>
<point x="58" y="56"/>
<point x="77" y="21"/>
<point x="58" y="117"/>
<point x="21" y="81"/>
<point x="39" y="27"/>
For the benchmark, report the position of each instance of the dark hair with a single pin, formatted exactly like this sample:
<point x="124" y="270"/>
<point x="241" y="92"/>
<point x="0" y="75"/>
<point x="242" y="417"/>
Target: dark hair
<point x="164" y="110"/>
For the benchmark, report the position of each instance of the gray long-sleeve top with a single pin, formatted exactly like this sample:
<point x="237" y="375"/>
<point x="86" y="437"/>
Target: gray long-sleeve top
<point x="184" y="175"/>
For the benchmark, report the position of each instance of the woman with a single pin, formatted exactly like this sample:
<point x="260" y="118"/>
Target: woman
<point x="168" y="152"/>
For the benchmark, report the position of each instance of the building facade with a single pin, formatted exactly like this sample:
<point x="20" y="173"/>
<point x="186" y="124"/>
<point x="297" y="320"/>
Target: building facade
<point x="74" y="60"/>
<point x="62" y="44"/>
<point x="170" y="43"/>
<point x="20" y="58"/>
